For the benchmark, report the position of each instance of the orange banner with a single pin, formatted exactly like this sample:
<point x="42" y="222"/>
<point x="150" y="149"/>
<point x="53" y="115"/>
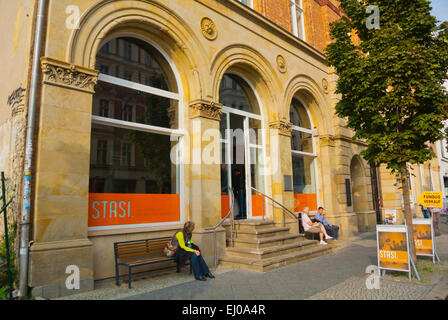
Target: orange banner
<point x="393" y="252"/>
<point x="225" y="205"/>
<point x="422" y="238"/>
<point x="111" y="209"/>
<point x="257" y="205"/>
<point x="302" y="200"/>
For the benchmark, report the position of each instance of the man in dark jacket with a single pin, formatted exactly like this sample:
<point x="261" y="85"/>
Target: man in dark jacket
<point x="331" y="229"/>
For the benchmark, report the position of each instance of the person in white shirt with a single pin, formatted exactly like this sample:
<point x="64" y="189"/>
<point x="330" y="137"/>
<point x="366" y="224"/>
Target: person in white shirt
<point x="310" y="226"/>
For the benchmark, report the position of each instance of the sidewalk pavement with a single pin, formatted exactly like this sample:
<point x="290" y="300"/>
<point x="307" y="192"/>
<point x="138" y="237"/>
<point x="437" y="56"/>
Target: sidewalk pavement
<point x="338" y="275"/>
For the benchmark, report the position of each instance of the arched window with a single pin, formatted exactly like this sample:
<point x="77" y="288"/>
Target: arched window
<point x="133" y="180"/>
<point x="303" y="158"/>
<point x="242" y="147"/>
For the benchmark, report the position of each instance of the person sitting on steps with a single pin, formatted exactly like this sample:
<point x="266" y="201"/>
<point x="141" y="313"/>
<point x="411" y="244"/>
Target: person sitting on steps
<point x="310" y="226"/>
<point x="187" y="250"/>
<point x="331" y="229"/>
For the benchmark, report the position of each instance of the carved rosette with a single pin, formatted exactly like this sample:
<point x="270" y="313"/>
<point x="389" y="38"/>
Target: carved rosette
<point x="281" y="64"/>
<point x="67" y="75"/>
<point x="284" y="127"/>
<point x="325" y="85"/>
<point x="205" y="109"/>
<point x="208" y="28"/>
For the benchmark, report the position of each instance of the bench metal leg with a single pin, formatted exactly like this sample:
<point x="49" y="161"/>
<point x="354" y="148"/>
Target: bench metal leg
<point x="117" y="275"/>
<point x="129" y="278"/>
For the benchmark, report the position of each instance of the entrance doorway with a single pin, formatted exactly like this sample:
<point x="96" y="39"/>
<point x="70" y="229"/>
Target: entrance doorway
<point x="242" y="150"/>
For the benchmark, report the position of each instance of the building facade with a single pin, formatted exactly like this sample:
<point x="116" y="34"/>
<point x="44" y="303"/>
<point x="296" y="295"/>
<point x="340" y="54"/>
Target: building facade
<point x="129" y="106"/>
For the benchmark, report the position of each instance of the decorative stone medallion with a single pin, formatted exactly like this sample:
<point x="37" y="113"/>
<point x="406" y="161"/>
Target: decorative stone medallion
<point x="208" y="28"/>
<point x="281" y="64"/>
<point x="325" y="85"/>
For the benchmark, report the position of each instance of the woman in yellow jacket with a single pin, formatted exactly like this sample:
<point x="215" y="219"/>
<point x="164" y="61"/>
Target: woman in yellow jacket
<point x="187" y="250"/>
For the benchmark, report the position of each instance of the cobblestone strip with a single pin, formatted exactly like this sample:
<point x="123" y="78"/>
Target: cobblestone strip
<point x="355" y="288"/>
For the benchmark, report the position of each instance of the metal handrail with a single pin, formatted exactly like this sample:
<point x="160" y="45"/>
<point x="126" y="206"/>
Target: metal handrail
<point x="220" y="223"/>
<point x="278" y="203"/>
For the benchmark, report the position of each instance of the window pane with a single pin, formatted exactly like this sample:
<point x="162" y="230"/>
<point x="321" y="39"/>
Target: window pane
<point x="131" y="162"/>
<point x="257" y="181"/>
<point x="303" y="174"/>
<point x="255" y="132"/>
<point x="137" y="61"/>
<point x="299" y="116"/>
<point x="236" y="93"/>
<point x="301" y="141"/>
<point x="126" y="104"/>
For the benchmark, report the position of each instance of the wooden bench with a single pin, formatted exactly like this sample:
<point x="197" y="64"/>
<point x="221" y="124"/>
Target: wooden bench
<point x="139" y="253"/>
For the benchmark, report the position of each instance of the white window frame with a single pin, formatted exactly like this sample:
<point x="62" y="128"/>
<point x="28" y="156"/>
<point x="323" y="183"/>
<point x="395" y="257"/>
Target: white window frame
<point x="313" y="155"/>
<point x="296" y="5"/>
<point x="178" y="134"/>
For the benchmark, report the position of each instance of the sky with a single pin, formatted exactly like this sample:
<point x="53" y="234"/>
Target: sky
<point x="440" y="9"/>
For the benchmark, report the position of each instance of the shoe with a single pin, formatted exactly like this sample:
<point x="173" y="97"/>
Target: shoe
<point x="201" y="279"/>
<point x="210" y="275"/>
<point x="328" y="237"/>
<point x="323" y="242"/>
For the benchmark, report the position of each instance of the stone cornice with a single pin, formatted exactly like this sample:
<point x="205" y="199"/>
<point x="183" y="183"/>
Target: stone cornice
<point x="330" y="140"/>
<point x="63" y="74"/>
<point x="205" y="109"/>
<point x="284" y="127"/>
<point x="348" y="139"/>
<point x="327" y="140"/>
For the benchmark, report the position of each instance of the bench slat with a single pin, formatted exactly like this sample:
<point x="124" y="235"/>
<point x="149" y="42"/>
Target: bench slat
<point x="142" y="248"/>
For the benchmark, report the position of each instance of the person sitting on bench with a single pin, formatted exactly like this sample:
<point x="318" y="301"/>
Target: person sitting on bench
<point x="331" y="229"/>
<point x="187" y="250"/>
<point x="314" y="227"/>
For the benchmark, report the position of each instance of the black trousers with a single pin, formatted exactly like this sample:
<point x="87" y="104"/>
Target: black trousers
<point x="332" y="231"/>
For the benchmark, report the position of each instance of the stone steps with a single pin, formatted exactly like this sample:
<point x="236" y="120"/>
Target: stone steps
<point x="260" y="233"/>
<point x="274" y="262"/>
<point x="259" y="245"/>
<point x="271" y="251"/>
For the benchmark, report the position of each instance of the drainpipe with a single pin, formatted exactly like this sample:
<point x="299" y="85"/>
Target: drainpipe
<point x="26" y="203"/>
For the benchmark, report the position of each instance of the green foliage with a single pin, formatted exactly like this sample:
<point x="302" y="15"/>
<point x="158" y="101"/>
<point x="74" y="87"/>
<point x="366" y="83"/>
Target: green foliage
<point x="391" y="80"/>
<point x="12" y="234"/>
<point x="4" y="292"/>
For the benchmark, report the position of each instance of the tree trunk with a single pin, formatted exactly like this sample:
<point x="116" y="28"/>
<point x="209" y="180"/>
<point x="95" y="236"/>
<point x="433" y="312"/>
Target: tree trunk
<point x="407" y="210"/>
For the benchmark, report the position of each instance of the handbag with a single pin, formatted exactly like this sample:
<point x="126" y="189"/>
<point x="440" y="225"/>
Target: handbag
<point x="171" y="247"/>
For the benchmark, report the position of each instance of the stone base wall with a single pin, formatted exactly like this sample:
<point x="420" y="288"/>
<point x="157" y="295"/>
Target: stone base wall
<point x="48" y="266"/>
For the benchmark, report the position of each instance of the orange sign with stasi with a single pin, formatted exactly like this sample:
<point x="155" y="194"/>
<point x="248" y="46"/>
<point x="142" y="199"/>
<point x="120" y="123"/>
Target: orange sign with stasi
<point x="423" y="239"/>
<point x="112" y="209"/>
<point x="392" y="250"/>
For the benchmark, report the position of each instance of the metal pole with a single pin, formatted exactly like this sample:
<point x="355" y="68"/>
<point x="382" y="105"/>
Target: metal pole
<point x="25" y="213"/>
<point x="5" y="219"/>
